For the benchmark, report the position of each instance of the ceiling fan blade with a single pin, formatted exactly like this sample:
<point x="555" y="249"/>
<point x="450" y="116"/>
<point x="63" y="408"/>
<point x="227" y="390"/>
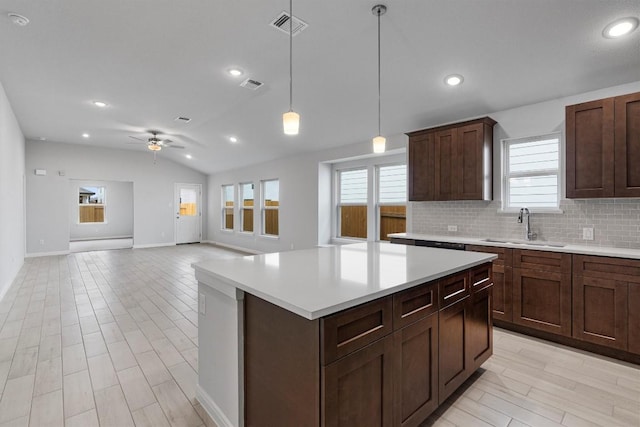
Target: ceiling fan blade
<point x="139" y="139"/>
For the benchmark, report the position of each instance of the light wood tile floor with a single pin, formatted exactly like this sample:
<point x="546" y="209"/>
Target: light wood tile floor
<point x="109" y="338"/>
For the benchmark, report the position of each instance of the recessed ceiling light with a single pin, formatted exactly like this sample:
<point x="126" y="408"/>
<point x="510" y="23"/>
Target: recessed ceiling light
<point x="620" y="27"/>
<point x="85" y="135"/>
<point x="18" y="19"/>
<point x="236" y="72"/>
<point x="188" y="156"/>
<point x="100" y="104"/>
<point x="233" y="139"/>
<point x="454" y="79"/>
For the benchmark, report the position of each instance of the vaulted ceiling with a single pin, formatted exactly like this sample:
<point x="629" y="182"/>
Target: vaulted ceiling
<point x="154" y="60"/>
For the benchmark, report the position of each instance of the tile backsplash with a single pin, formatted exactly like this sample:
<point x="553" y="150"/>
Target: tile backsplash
<point x="616" y="222"/>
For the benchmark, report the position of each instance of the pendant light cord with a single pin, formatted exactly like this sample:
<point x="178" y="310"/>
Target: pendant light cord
<point x="290" y="55"/>
<point x="378" y="13"/>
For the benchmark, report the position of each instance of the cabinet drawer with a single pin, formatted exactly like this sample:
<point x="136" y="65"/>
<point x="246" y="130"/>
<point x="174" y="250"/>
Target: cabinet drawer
<point x="480" y="277"/>
<point x="453" y="288"/>
<point x="349" y="330"/>
<point x="555" y="262"/>
<point x="414" y="304"/>
<point x="626" y="270"/>
<point x="505" y="255"/>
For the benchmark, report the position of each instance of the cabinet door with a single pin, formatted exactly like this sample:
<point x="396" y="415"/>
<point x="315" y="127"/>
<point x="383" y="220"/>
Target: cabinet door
<point x="590" y="149"/>
<point x="502" y="280"/>
<point x="445" y="163"/>
<point x="627" y="142"/>
<point x="471" y="171"/>
<point x="634" y="318"/>
<point x="415" y="372"/>
<point x="480" y="328"/>
<point x="421" y="171"/>
<point x="357" y="390"/>
<point x="600" y="311"/>
<point x="542" y="300"/>
<point x="455" y="366"/>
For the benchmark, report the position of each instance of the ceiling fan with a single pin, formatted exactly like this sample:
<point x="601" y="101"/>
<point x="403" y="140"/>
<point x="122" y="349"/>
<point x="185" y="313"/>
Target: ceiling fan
<point x="154" y="143"/>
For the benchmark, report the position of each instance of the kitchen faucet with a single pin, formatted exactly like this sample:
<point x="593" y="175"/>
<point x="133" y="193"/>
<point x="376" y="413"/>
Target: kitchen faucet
<point x="528" y="234"/>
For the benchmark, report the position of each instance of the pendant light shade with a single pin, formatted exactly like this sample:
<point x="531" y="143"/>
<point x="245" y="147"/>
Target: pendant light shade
<point x="291" y="119"/>
<point x="291" y="122"/>
<point x="379" y="142"/>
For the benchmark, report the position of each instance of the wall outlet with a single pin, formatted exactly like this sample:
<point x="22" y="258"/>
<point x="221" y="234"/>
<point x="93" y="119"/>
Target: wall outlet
<point x="587" y="233"/>
<point x="452" y="228"/>
<point x="202" y="305"/>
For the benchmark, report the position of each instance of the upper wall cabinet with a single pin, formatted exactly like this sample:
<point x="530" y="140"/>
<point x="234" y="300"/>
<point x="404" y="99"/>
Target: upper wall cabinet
<point x="603" y="148"/>
<point x="451" y="162"/>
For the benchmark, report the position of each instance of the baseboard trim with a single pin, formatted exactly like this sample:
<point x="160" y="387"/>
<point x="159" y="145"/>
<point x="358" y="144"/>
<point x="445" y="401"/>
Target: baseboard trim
<point x="211" y="408"/>
<point x="234" y="247"/>
<point x="40" y="254"/>
<point x="153" y="245"/>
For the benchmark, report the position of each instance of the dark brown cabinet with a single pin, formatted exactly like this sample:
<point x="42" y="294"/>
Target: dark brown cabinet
<point x="606" y="301"/>
<point x="542" y="290"/>
<point x="451" y="162"/>
<point x="454" y="360"/>
<point x="502" y="280"/>
<point x="603" y="148"/>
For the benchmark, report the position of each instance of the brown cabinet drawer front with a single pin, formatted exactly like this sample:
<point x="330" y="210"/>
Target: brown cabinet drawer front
<point x="505" y="255"/>
<point x="607" y="268"/>
<point x="481" y="277"/>
<point x="600" y="311"/>
<point x="453" y="288"/>
<point x="414" y="304"/>
<point x="352" y="329"/>
<point x="542" y="261"/>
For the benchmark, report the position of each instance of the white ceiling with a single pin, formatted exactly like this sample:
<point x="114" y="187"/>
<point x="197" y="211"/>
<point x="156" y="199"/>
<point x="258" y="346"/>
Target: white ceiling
<point x="154" y="60"/>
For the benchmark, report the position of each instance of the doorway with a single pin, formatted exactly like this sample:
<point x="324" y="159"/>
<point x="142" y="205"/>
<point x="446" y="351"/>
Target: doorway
<point x="188" y="213"/>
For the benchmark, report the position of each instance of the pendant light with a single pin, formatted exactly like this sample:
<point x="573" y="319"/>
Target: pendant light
<point x="291" y="119"/>
<point x="379" y="142"/>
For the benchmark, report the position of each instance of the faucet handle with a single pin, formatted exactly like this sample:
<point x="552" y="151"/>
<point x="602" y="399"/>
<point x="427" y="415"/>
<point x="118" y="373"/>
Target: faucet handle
<point x="520" y="216"/>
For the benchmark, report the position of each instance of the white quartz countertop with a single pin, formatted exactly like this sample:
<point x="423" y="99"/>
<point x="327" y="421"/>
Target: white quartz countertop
<point x="535" y="245"/>
<point x="317" y="282"/>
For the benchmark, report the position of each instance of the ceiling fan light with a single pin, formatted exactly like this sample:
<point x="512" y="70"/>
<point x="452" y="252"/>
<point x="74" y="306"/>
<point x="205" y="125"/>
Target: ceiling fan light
<point x="154" y="147"/>
<point x="291" y="122"/>
<point x="379" y="144"/>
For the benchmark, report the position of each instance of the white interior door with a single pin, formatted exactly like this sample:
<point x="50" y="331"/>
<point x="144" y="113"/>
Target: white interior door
<point x="188" y="213"/>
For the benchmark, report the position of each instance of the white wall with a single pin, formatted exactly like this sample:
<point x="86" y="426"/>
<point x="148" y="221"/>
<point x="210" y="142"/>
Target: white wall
<point x="153" y="191"/>
<point x="118" y="211"/>
<point x="303" y="197"/>
<point x="12" y="224"/>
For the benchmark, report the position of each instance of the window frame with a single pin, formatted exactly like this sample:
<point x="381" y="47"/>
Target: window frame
<point x="264" y="209"/>
<point x="103" y="204"/>
<point x="241" y="208"/>
<point x="505" y="144"/>
<point x="223" y="219"/>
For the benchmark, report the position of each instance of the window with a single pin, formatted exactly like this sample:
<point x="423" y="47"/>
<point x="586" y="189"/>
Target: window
<point x="227" y="207"/>
<point x="270" y="206"/>
<point x="246" y="210"/>
<point x="91" y="205"/>
<point x="352" y="203"/>
<point x="531" y="172"/>
<point x="392" y="200"/>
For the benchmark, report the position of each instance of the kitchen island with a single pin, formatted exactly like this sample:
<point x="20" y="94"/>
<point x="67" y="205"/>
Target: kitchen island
<point x="363" y="334"/>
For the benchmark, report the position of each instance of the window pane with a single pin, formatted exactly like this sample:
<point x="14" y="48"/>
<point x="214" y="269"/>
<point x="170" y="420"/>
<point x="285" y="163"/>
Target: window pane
<point x="271" y="204"/>
<point x="393" y="184"/>
<point x="247" y="207"/>
<point x="91" y="200"/>
<point x="393" y="219"/>
<point x="353" y="186"/>
<point x="353" y="221"/>
<point x="188" y="202"/>
<point x="227" y="210"/>
<point x="537" y="191"/>
<point x="534" y="155"/>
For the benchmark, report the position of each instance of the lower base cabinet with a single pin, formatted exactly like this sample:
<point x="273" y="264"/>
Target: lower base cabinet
<point x="454" y="360"/>
<point x="480" y="325"/>
<point x="634" y="318"/>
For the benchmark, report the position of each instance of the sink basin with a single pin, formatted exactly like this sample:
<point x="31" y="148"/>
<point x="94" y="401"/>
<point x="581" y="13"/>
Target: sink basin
<point x="525" y="243"/>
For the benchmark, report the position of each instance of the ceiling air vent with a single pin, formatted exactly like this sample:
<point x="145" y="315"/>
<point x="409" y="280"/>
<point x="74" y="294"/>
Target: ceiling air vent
<point x="251" y="84"/>
<point x="281" y="22"/>
<point x="182" y="119"/>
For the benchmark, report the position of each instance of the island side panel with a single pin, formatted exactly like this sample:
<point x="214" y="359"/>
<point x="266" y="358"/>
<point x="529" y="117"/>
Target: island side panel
<point x="282" y="366"/>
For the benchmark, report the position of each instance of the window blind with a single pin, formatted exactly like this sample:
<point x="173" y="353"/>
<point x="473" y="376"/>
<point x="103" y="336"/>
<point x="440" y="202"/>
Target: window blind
<point x="392" y="184"/>
<point x="353" y="186"/>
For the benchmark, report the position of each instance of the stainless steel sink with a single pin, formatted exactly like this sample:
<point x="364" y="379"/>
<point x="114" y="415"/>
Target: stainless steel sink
<point x="525" y="243"/>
